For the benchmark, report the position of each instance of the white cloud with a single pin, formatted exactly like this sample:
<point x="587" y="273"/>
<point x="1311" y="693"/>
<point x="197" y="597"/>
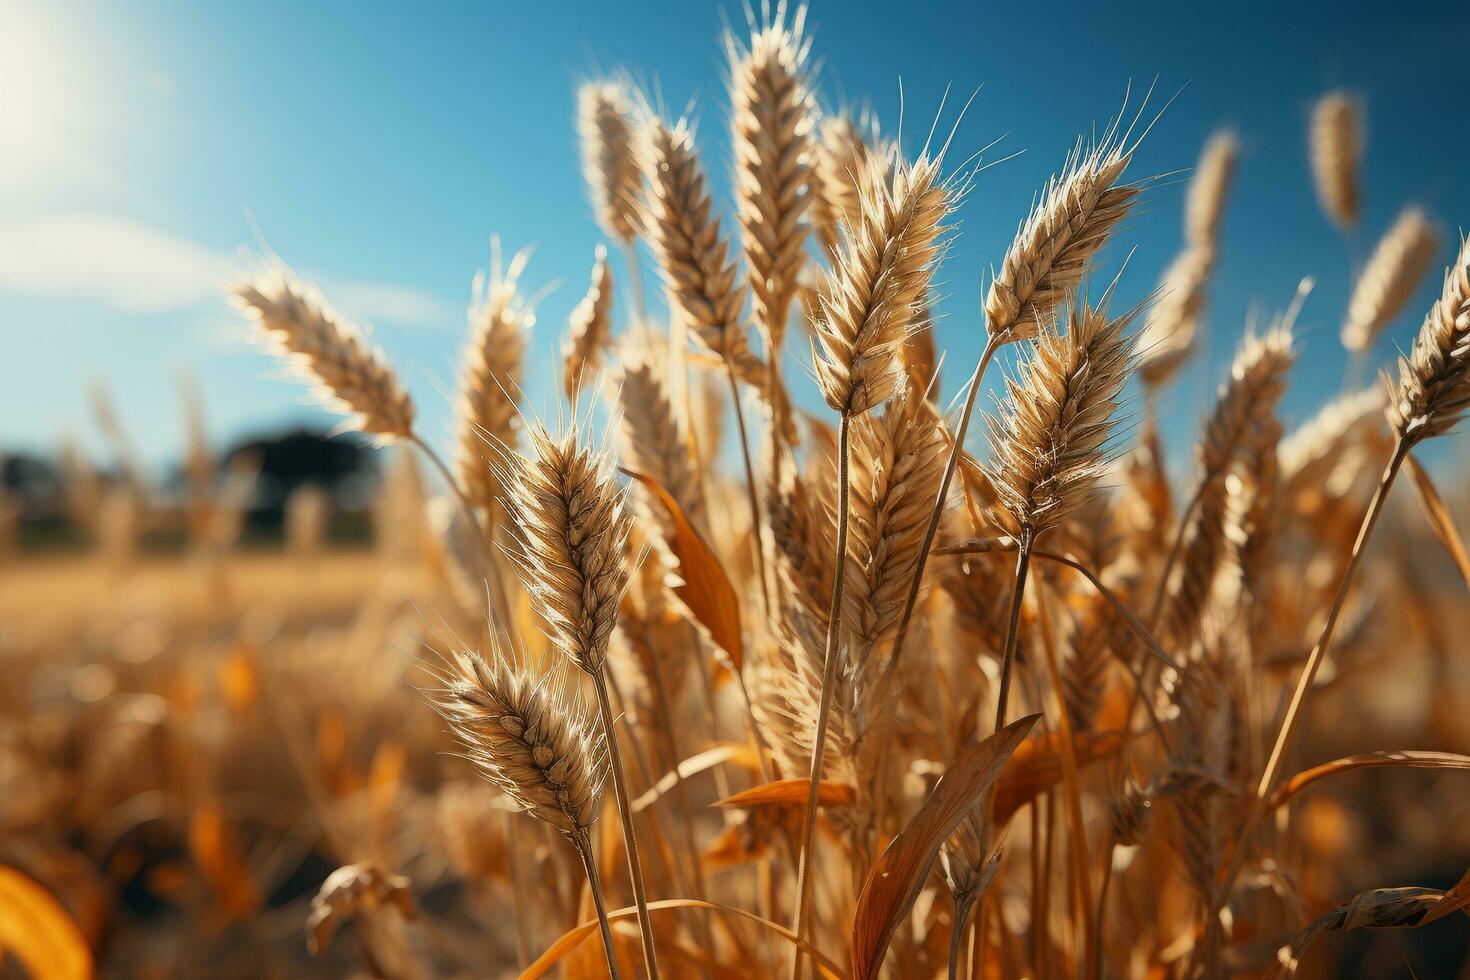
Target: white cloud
<point x="116" y="262"/>
<point x="133" y="267"/>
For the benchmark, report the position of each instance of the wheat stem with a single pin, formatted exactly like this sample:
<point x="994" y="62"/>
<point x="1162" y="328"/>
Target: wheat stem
<point x="829" y="685"/>
<point x="750" y="491"/>
<point x="625" y="815"/>
<point x="1018" y="593"/>
<point x="1077" y="829"/>
<point x="583" y="844"/>
<point x="911" y="600"/>
<point x="962" y="906"/>
<point x="1308" y="676"/>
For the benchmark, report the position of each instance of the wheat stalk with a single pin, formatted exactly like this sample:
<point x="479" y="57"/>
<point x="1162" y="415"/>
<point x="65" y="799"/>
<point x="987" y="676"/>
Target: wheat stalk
<point x="868" y="305"/>
<point x="1051" y="438"/>
<point x="1434" y="390"/>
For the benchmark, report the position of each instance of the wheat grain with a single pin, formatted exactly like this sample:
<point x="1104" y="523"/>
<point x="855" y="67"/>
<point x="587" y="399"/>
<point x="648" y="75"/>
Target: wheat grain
<point x="1204" y="203"/>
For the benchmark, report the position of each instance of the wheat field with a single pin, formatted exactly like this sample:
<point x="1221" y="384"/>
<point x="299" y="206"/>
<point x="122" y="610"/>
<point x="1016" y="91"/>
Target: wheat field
<point x="728" y="661"/>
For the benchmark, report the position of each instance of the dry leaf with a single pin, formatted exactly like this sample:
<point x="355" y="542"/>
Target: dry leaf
<point x="1410" y="758"/>
<point x="702" y="584"/>
<point x="898" y="875"/>
<point x="1037" y="766"/>
<point x="36" y="930"/>
<point x="1380" y="908"/>
<point x="791" y="792"/>
<point x="737" y="752"/>
<point x="576" y="936"/>
<point x="1441" y="521"/>
<point x="349" y="891"/>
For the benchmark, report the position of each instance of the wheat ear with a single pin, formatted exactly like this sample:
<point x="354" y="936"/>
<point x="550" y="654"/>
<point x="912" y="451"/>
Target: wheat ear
<point x="609" y="162"/>
<point x="529" y="737"/>
<point x="697" y="273"/>
<point x="1389" y="279"/>
<point x="490" y="383"/>
<point x="1051" y="439"/>
<point x="589" y="329"/>
<point x="350" y="376"/>
<point x="1336" y="138"/>
<point x="773" y="116"/>
<point x="1078" y="211"/>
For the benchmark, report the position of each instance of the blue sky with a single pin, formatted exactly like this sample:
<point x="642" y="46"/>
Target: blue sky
<point x="378" y="146"/>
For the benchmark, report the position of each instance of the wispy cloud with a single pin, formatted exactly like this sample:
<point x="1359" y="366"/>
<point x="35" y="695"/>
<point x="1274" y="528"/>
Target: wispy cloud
<point x="130" y="266"/>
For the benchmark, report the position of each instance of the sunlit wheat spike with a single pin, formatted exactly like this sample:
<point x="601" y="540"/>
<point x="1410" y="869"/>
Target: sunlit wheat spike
<point x="1204" y="202"/>
<point x="651" y="440"/>
<point x="1171" y="328"/>
<point x="1434" y="381"/>
<point x="609" y="159"/>
<point x="1247" y="400"/>
<point x="1252" y="497"/>
<point x="1052" y="435"/>
<point x="1079" y="209"/>
<point x="490" y="378"/>
<point x="1309" y="455"/>
<point x="589" y="329"/>
<point x="570" y="540"/>
<point x="773" y="115"/>
<point x="898" y="459"/>
<point x="528" y="735"/>
<point x="845" y="149"/>
<point x="1388" y="281"/>
<point x="1336" y="139"/>
<point x="350" y="375"/>
<point x="684" y="233"/>
<point x="870" y="300"/>
<point x="801" y="530"/>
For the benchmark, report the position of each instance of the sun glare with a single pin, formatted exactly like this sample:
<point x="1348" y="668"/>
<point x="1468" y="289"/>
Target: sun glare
<point x="31" y="85"/>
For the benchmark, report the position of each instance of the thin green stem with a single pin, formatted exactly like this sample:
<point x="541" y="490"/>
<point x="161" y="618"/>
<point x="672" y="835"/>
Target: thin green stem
<point x="824" y="709"/>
